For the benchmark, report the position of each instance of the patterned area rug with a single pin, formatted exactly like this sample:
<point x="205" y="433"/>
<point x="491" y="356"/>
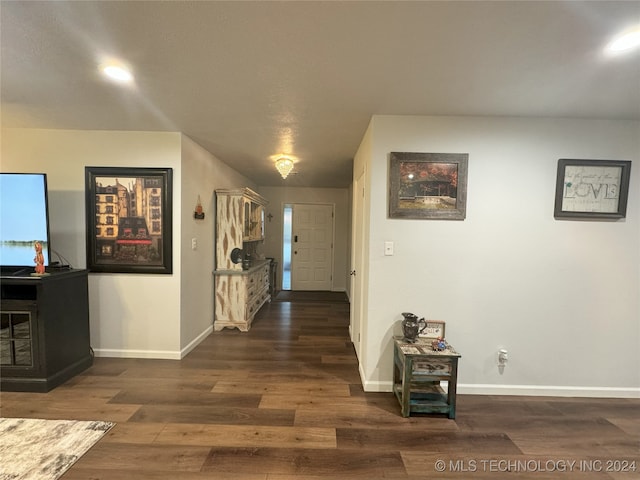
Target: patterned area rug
<point x="32" y="449"/>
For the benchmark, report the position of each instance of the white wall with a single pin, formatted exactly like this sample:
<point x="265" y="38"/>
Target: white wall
<point x="127" y="317"/>
<point x="561" y="296"/>
<point x="202" y="173"/>
<point x="133" y="315"/>
<point x="279" y="196"/>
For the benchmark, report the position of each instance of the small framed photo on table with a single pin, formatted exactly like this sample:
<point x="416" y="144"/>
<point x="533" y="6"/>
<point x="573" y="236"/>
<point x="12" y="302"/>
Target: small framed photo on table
<point x="592" y="189"/>
<point x="434" y="329"/>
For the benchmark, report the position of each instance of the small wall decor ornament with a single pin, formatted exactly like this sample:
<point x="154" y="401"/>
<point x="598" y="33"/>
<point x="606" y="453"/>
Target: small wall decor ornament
<point x="199" y="213"/>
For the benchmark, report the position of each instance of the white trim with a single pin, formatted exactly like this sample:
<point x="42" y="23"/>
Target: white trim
<point x="196" y="341"/>
<point x="525" y="390"/>
<point x="152" y="354"/>
<point x="549" y="391"/>
<point x="363" y="379"/>
<point x="376" y="386"/>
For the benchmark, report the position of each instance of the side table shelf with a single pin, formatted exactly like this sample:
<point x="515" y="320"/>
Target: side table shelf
<point x="417" y="372"/>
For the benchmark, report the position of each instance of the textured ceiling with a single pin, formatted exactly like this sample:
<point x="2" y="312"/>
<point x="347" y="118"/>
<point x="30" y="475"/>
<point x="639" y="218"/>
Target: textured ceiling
<point x="251" y="80"/>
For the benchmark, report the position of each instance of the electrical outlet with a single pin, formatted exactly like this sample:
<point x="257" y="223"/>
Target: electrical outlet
<point x="194" y="243"/>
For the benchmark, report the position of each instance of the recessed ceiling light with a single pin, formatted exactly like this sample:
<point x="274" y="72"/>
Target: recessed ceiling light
<point x="117" y="73"/>
<point x="624" y="42"/>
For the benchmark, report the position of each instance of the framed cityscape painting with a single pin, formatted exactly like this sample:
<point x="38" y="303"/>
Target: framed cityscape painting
<point x="129" y="219"/>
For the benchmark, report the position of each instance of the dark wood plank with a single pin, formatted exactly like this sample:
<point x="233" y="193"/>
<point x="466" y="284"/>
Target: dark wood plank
<point x="167" y="396"/>
<point x="303" y="462"/>
<point x="426" y="440"/>
<point x="216" y="415"/>
<point x="147" y="473"/>
<point x="106" y="456"/>
<point x="246" y="436"/>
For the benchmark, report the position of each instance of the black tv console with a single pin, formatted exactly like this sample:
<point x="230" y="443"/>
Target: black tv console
<point x="44" y="330"/>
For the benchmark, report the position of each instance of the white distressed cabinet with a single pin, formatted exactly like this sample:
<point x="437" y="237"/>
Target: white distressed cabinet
<point x="239" y="293"/>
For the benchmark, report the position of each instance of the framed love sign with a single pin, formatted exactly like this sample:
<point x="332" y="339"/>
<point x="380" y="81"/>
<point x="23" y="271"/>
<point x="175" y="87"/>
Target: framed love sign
<point x="592" y="188"/>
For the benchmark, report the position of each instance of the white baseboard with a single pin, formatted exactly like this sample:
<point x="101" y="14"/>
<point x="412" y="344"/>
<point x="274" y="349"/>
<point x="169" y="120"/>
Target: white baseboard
<point x="365" y="383"/>
<point x="524" y="390"/>
<point x="549" y="391"/>
<point x="375" y="386"/>
<point x="122" y="353"/>
<point x="196" y="341"/>
<point x="154" y="354"/>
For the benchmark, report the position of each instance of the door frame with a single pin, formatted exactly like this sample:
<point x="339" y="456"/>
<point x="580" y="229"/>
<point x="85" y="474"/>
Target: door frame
<point x="357" y="264"/>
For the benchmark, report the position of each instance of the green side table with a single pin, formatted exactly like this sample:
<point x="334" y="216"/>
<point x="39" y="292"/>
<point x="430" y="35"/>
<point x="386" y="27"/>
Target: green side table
<point x="417" y="373"/>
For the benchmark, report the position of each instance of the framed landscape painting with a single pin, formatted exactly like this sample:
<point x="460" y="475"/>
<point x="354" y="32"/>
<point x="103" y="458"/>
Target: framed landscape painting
<point x="428" y="185"/>
<point x="129" y="219"/>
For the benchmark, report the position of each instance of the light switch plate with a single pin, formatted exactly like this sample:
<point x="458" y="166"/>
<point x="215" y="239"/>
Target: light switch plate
<point x="388" y="248"/>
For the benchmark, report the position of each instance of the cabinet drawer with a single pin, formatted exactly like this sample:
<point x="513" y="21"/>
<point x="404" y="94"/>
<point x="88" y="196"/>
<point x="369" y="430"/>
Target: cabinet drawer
<point x="256" y="302"/>
<point x="432" y="367"/>
<point x="254" y="305"/>
<point x="251" y="292"/>
<point x="251" y="309"/>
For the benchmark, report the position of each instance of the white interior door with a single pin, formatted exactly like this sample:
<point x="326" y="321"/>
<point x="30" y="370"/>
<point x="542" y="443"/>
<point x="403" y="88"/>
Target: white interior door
<point x="357" y="252"/>
<point x="312" y="247"/>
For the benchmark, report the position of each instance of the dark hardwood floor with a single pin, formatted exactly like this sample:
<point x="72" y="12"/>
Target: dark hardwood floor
<point x="284" y="401"/>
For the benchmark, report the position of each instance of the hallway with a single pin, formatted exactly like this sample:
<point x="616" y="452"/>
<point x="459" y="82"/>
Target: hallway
<point x="284" y="402"/>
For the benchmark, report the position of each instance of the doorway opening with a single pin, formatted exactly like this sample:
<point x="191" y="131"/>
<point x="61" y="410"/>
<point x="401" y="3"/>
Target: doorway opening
<point x="286" y="246"/>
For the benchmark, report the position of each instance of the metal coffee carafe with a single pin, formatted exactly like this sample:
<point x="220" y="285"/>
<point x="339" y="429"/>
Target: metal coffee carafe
<point x="412" y="326"/>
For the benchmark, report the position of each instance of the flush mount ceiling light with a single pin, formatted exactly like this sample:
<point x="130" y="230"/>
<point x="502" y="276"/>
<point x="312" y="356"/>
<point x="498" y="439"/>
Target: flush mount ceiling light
<point x="626" y="41"/>
<point x="284" y="166"/>
<point x="116" y="72"/>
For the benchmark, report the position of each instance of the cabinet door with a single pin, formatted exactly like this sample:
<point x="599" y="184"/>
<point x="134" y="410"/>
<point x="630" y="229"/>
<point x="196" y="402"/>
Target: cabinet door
<point x="246" y="220"/>
<point x="262" y="223"/>
<point x="257" y="221"/>
<point x="17" y="334"/>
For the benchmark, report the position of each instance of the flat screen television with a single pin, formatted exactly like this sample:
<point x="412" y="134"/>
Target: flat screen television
<point x="24" y="220"/>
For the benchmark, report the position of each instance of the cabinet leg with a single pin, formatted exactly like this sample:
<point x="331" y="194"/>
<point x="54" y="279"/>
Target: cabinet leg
<point x="406" y="388"/>
<point x="452" y="387"/>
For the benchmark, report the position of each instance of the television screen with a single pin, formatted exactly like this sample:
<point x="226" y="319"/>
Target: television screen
<point x="24" y="219"/>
